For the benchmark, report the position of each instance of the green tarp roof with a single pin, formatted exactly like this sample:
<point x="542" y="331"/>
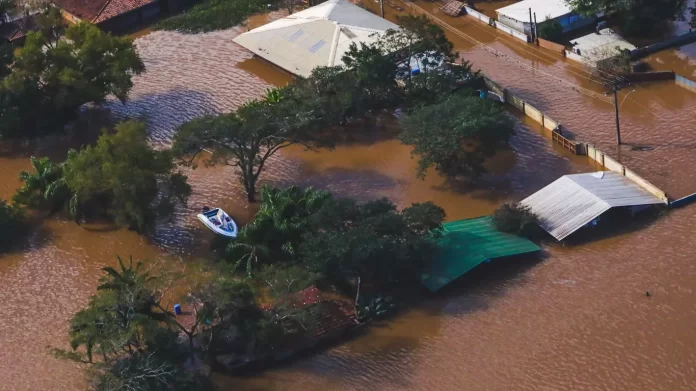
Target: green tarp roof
<point x="466" y="244"/>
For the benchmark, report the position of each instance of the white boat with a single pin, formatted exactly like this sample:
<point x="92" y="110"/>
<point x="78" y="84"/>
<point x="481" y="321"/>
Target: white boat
<point x="219" y="222"/>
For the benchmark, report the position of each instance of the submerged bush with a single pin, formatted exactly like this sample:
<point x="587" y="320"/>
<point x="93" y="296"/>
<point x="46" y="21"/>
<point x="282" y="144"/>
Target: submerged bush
<point x="516" y="219"/>
<point x="211" y="15"/>
<point x="11" y="225"/>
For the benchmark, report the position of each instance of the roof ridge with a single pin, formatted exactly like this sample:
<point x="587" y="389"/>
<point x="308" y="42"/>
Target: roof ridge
<point x="100" y="11"/>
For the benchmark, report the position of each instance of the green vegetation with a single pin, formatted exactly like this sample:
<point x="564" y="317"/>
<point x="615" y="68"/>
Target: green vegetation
<point x="516" y="219"/>
<point x="551" y="30"/>
<point x="638" y="17"/>
<point x="49" y="79"/>
<point x="211" y="15"/>
<point x="121" y="178"/>
<point x="309" y="112"/>
<point x="456" y="135"/>
<point x="127" y="338"/>
<point x="11" y="225"/>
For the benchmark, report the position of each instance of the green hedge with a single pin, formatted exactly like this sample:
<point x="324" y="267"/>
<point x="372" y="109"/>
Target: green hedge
<point x="211" y="15"/>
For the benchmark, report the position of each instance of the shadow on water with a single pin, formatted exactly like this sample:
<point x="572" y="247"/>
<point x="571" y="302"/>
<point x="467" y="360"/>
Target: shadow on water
<point x="476" y="289"/>
<point x="615" y="223"/>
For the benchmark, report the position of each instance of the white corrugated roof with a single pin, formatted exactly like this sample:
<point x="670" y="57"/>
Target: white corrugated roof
<point x="597" y="47"/>
<point x="317" y="36"/>
<point x="572" y="201"/>
<point x="545" y="9"/>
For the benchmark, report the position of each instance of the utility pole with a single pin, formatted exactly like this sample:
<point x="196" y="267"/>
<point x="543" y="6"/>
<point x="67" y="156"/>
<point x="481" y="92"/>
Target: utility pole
<point x="536" y="32"/>
<point x="531" y="25"/>
<point x="381" y="7"/>
<point x="616" y="107"/>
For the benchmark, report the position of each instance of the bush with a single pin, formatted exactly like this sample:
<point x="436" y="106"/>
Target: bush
<point x="211" y="15"/>
<point x="11" y="225"/>
<point x="516" y="219"/>
<point x="551" y="31"/>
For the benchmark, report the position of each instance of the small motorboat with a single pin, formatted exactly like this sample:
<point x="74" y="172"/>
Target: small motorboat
<point x="219" y="222"/>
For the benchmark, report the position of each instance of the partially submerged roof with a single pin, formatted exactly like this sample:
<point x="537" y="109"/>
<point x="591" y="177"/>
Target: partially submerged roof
<point x="97" y="11"/>
<point x="468" y="243"/>
<point x="317" y="36"/>
<point x="597" y="47"/>
<point x="545" y="9"/>
<point x="572" y="201"/>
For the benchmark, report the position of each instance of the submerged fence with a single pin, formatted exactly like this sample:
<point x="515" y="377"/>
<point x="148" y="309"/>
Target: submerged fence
<point x="576" y="147"/>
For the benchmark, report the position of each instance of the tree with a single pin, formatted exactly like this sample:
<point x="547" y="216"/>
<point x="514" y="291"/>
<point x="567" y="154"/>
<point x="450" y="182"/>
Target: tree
<point x="456" y="135"/>
<point x="11" y="225"/>
<point x="44" y="187"/>
<point x="551" y="30"/>
<point x="372" y="242"/>
<point x="692" y="18"/>
<point x="639" y="17"/>
<point x="276" y="232"/>
<point x="7" y="7"/>
<point x="516" y="219"/>
<point x="247" y="138"/>
<point x="48" y="81"/>
<point x="122" y="176"/>
<point x="125" y="335"/>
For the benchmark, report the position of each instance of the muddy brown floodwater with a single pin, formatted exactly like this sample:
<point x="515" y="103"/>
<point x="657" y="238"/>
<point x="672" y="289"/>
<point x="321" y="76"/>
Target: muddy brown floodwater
<point x="577" y="319"/>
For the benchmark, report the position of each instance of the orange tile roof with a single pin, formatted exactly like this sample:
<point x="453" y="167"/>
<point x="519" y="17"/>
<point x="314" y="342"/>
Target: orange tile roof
<point x="97" y="11"/>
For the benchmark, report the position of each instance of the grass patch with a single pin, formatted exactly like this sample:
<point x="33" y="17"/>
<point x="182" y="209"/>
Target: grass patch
<point x="212" y="15"/>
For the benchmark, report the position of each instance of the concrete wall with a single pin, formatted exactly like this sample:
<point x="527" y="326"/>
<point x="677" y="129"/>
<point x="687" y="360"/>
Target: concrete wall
<point x="519" y="26"/>
<point x="612" y="165"/>
<point x="649" y="76"/>
<point x="676" y="41"/>
<point x="560" y="49"/>
<point x="574" y="56"/>
<point x="503" y="27"/>
<point x="686" y="83"/>
<point x="531" y="111"/>
<point x="578" y="148"/>
<point x="485" y="19"/>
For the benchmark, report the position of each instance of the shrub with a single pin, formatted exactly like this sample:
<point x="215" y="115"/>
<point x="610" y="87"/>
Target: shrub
<point x="11" y="225"/>
<point x="551" y="30"/>
<point x="516" y="219"/>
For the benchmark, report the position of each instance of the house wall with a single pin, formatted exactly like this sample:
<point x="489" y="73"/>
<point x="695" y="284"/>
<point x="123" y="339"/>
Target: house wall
<point x="70" y="18"/>
<point x="520" y="26"/>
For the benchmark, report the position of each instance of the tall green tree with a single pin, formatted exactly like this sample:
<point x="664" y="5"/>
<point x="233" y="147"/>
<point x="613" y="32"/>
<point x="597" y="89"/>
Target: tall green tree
<point x="126" y="337"/>
<point x="639" y="17"/>
<point x="372" y="242"/>
<point x="49" y="82"/>
<point x="247" y="138"/>
<point x="456" y="135"/>
<point x="276" y="232"/>
<point x="122" y="177"/>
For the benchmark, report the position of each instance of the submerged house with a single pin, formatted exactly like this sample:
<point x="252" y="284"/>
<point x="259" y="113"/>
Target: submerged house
<point x="575" y="201"/>
<point x="317" y="36"/>
<point x="517" y="16"/>
<point x="110" y="15"/>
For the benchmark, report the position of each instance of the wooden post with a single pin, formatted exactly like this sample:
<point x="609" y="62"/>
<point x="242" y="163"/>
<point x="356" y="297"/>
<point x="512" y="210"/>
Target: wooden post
<point x="381" y="7"/>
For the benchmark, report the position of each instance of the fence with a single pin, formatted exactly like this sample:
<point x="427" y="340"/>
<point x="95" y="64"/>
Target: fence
<point x="574" y="57"/>
<point x="560" y="49"/>
<point x="578" y="148"/>
<point x="612" y="165"/>
<point x="676" y="41"/>
<point x="649" y="76"/>
<point x="496" y="24"/>
<point x="485" y="19"/>
<point x="684" y="82"/>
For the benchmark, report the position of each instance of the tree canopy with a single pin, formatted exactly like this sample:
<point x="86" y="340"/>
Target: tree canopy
<point x="48" y="81"/>
<point x="11" y="225"/>
<point x="456" y="135"/>
<point x="121" y="177"/>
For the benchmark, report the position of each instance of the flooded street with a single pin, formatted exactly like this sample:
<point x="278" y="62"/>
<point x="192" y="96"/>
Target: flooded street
<point x="577" y="319"/>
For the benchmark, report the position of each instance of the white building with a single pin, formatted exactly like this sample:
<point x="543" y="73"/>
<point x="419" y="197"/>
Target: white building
<point x="317" y="36"/>
<point x="600" y="46"/>
<point x="517" y="15"/>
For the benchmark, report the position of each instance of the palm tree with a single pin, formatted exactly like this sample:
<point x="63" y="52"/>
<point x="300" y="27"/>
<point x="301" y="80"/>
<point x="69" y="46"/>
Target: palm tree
<point x="44" y="186"/>
<point x="276" y="232"/>
<point x="274" y="95"/>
